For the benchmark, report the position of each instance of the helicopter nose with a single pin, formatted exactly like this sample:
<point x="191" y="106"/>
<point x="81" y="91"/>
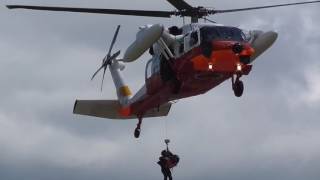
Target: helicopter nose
<point x="223" y="56"/>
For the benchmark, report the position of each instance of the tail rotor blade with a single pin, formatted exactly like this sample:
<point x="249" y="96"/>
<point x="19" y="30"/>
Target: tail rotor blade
<point x="107" y="60"/>
<point x="114" y="40"/>
<point x="95" y="74"/>
<point x="104" y="73"/>
<point x="104" y="59"/>
<point x="114" y="56"/>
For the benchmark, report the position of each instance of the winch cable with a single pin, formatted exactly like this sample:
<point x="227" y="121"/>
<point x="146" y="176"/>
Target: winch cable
<point x="166" y="128"/>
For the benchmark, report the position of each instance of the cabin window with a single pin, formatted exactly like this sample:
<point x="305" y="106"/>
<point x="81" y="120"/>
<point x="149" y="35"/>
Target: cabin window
<point x="148" y="72"/>
<point x="246" y="35"/>
<point x="152" y="67"/>
<point x="209" y="33"/>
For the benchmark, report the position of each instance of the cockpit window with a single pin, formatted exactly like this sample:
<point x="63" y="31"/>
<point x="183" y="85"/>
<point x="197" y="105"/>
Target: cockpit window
<point x="246" y="35"/>
<point x="210" y="33"/>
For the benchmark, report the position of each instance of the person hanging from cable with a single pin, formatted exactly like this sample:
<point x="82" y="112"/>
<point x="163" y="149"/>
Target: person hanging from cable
<point x="167" y="161"/>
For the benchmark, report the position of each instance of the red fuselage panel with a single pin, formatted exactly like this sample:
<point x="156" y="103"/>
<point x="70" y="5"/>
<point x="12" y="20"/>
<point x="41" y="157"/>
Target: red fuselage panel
<point x="196" y="74"/>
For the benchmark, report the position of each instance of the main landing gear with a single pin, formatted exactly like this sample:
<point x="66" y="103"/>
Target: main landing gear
<point x="138" y="128"/>
<point x="237" y="86"/>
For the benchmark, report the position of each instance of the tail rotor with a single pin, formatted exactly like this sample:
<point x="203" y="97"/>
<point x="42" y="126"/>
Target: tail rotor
<point x="107" y="60"/>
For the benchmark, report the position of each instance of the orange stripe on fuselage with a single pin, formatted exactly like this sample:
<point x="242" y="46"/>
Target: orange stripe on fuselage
<point x="221" y="61"/>
<point x="125" y="111"/>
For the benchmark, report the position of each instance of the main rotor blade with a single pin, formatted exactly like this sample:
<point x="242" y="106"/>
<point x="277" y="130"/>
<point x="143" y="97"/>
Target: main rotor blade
<point x="114" y="40"/>
<point x="262" y="7"/>
<point x="165" y="14"/>
<point x="180" y="4"/>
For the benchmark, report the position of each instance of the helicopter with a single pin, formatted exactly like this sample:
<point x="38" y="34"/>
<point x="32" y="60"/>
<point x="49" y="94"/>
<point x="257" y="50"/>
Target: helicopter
<point x="185" y="61"/>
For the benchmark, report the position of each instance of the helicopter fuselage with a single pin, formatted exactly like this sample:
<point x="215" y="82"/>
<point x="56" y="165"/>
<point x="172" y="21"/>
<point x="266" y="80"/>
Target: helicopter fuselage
<point x="208" y="60"/>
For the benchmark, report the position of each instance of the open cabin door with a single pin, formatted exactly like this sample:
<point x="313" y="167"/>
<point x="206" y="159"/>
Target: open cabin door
<point x="152" y="75"/>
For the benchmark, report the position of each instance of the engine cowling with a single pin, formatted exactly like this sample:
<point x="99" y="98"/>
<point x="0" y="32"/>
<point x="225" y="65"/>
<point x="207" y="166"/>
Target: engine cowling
<point x="262" y="42"/>
<point x="145" y="38"/>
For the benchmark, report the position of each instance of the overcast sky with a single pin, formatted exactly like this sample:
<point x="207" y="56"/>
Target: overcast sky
<point x="47" y="59"/>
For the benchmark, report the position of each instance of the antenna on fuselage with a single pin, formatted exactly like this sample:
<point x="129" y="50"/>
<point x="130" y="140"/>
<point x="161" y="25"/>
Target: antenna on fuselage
<point x="206" y="19"/>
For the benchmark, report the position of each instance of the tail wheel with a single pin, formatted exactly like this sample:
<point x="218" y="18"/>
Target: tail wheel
<point x="238" y="88"/>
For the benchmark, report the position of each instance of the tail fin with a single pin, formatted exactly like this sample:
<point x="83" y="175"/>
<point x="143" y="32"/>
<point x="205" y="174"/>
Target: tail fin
<point x="123" y="91"/>
<point x="114" y="65"/>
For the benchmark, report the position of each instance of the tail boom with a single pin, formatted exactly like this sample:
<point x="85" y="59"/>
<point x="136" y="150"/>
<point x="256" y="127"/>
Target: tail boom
<point x="123" y="91"/>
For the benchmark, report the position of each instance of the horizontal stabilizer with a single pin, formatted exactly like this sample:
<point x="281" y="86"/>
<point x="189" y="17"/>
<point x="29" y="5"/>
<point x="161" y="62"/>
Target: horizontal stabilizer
<point x="110" y="109"/>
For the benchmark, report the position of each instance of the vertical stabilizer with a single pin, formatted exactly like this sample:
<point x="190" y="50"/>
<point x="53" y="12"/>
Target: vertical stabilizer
<point x="123" y="91"/>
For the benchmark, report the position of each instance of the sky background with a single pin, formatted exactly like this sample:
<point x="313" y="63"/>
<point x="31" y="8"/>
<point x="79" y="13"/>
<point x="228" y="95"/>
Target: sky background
<point x="47" y="59"/>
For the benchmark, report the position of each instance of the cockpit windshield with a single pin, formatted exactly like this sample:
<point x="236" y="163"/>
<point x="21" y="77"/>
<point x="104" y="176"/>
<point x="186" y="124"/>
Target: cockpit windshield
<point x="209" y="33"/>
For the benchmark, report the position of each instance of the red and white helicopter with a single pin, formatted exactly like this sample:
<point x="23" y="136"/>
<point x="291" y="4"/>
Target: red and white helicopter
<point x="186" y="61"/>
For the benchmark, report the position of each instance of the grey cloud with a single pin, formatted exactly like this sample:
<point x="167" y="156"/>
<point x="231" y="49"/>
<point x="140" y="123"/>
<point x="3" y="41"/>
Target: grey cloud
<point x="46" y="63"/>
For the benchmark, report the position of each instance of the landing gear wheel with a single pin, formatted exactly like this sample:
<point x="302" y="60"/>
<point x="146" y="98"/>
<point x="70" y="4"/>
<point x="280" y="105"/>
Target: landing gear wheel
<point x="238" y="88"/>
<point x="138" y="128"/>
<point x="137" y="133"/>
